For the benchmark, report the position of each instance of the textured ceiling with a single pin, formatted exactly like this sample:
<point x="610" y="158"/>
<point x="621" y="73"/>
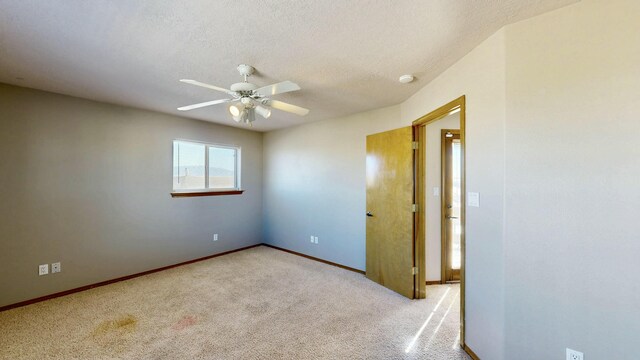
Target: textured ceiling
<point x="346" y="55"/>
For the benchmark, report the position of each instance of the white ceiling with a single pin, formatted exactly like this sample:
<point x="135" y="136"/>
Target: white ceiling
<point x="346" y="55"/>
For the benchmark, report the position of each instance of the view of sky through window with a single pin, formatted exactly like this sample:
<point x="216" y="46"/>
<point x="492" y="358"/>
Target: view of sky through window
<point x="189" y="163"/>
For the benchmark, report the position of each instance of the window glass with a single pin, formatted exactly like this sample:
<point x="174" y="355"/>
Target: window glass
<point x="188" y="165"/>
<point x="222" y="168"/>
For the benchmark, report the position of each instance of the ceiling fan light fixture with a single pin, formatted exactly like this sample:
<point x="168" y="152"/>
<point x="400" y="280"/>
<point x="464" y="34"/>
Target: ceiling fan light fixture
<point x="242" y="117"/>
<point x="264" y="112"/>
<point x="236" y="109"/>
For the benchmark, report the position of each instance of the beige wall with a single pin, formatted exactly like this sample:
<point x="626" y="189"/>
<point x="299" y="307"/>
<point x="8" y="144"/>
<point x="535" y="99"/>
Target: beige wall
<point x="88" y="184"/>
<point x="433" y="168"/>
<point x="480" y="76"/>
<point x="572" y="189"/>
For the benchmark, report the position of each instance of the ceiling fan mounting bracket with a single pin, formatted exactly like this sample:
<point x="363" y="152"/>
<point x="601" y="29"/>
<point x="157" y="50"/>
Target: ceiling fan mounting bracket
<point x="246" y="70"/>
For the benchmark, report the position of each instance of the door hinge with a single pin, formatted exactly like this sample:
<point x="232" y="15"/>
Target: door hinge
<point x="414" y="208"/>
<point x="414" y="270"/>
<point x="414" y="145"/>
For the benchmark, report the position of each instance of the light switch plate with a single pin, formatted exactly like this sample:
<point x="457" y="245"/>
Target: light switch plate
<point x="473" y="199"/>
<point x="315" y="239"/>
<point x="436" y="191"/>
<point x="312" y="240"/>
<point x="43" y="269"/>
<point x="56" y="268"/>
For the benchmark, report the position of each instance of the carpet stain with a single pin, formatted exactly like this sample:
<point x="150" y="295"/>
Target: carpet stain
<point x="258" y="309"/>
<point x="125" y="323"/>
<point x="185" y="322"/>
<point x="115" y="335"/>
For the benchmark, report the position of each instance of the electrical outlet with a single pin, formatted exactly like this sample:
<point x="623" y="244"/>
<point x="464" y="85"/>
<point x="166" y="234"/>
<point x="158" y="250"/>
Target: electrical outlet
<point x="56" y="268"/>
<point x="574" y="355"/>
<point x="215" y="237"/>
<point x="43" y="269"/>
<point x="315" y="239"/>
<point x="312" y="240"/>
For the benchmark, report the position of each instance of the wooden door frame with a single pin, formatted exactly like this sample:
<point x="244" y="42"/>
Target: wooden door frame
<point x="419" y="188"/>
<point x="444" y="185"/>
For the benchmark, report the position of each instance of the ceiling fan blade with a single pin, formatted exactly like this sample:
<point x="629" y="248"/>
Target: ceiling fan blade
<point x="212" y="87"/>
<point x="287" y="107"/>
<point x="208" y="103"/>
<point x="279" y="88"/>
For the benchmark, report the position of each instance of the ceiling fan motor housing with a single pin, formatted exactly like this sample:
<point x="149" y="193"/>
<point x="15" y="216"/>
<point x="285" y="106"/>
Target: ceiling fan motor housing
<point x="243" y="87"/>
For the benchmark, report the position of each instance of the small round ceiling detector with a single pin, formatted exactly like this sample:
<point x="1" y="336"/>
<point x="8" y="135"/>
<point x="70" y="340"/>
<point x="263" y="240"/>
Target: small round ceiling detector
<point x="405" y="79"/>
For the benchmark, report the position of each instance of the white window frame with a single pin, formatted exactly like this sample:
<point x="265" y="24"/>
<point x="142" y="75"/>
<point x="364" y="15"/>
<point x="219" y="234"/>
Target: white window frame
<point x="207" y="146"/>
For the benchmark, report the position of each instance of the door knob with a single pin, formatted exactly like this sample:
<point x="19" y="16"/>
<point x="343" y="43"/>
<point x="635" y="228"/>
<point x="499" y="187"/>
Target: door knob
<point x="369" y="214"/>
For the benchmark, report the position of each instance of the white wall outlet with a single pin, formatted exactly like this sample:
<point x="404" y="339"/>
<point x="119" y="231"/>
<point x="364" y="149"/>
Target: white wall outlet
<point x="436" y="191"/>
<point x="215" y="237"/>
<point x="315" y="239"/>
<point x="312" y="239"/>
<point x="56" y="268"/>
<point x="574" y="355"/>
<point x="43" y="269"/>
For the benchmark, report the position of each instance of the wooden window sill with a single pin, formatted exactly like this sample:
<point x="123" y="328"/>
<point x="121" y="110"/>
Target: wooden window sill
<point x="206" y="193"/>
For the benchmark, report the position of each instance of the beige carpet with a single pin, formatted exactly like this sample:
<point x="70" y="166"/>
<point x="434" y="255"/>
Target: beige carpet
<point x="259" y="303"/>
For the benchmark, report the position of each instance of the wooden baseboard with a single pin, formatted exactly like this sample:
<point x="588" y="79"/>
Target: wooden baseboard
<point x="107" y="282"/>
<point x="127" y="277"/>
<point x="434" y="282"/>
<point x="316" y="259"/>
<point x="470" y="353"/>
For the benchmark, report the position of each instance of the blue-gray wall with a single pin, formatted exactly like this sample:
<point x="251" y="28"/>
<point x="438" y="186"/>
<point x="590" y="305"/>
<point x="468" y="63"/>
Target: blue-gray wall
<point x="88" y="184"/>
<point x="315" y="185"/>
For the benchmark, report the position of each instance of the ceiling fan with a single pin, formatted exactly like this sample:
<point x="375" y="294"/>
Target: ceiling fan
<point x="248" y="99"/>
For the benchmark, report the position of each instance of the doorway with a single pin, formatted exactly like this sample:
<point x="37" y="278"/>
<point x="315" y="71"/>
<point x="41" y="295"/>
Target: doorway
<point x="451" y="227"/>
<point x="452" y="253"/>
<point x="396" y="197"/>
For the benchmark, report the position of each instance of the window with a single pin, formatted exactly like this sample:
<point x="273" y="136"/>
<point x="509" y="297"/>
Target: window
<point x="205" y="169"/>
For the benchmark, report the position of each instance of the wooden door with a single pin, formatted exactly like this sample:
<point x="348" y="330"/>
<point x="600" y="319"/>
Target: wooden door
<point x="389" y="210"/>
<point x="451" y="204"/>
